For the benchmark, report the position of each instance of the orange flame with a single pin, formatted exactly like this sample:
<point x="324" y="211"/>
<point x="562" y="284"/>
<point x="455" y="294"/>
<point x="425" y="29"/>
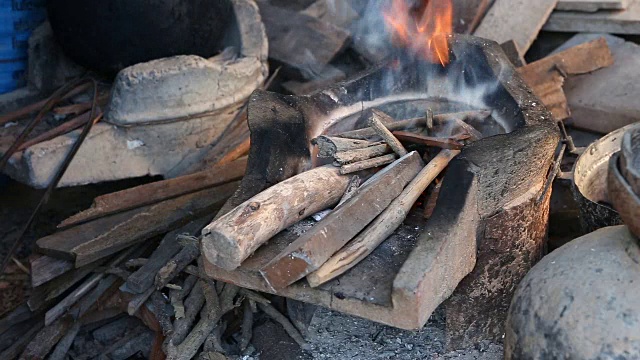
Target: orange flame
<point x="424" y="30"/>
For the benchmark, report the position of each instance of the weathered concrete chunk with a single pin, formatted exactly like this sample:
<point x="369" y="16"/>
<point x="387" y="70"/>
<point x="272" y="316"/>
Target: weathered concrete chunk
<point x="580" y="302"/>
<point x="606" y="100"/>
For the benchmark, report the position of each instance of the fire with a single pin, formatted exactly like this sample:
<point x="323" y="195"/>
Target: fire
<point x="424" y="28"/>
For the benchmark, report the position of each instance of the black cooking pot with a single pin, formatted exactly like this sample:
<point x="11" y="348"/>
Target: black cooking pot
<point x="109" y="35"/>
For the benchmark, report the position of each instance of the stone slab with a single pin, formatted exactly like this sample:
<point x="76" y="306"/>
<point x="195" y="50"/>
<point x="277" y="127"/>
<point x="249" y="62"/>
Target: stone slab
<point x="615" y="22"/>
<point x="518" y="20"/>
<point x="113" y="153"/>
<point x="607" y="99"/>
<point x="591" y="5"/>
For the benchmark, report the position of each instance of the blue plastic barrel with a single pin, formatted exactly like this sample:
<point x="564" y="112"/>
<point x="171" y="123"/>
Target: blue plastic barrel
<point x="18" y="18"/>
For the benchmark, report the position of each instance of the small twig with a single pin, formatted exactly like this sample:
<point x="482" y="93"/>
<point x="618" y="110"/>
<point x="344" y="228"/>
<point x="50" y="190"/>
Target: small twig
<point x="286" y="324"/>
<point x="352" y="188"/>
<point x="368" y="164"/>
<point x="254" y="296"/>
<point x="137" y="301"/>
<point x="193" y="304"/>
<point x="179" y="262"/>
<point x="20" y="265"/>
<point x="214" y="340"/>
<point x="385" y="134"/>
<point x="164" y="319"/>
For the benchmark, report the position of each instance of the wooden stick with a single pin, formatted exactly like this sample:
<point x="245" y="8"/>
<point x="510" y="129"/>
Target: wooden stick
<point x="46" y="339"/>
<point x="328" y="146"/>
<point x="190" y="252"/>
<point x="247" y="325"/>
<point x="61" y="350"/>
<point x="24" y="111"/>
<point x="62" y="129"/>
<point x="313" y="248"/>
<point x="368" y="164"/>
<point x="193" y="304"/>
<point x="352" y="156"/>
<point x="236" y="153"/>
<point x="402" y="125"/>
<point x="444" y="143"/>
<point x="432" y="201"/>
<point x="384" y="225"/>
<point x="286" y="324"/>
<point x="235" y="236"/>
<point x="45" y="268"/>
<point x="156" y="192"/>
<point x="376" y="124"/>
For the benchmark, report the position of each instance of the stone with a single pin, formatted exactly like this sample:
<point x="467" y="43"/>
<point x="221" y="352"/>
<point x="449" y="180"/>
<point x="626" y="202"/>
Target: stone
<point x="606" y="100"/>
<point x="187" y="85"/>
<point x="614" y="22"/>
<point x="112" y="153"/>
<point x="580" y="301"/>
<point x="49" y="67"/>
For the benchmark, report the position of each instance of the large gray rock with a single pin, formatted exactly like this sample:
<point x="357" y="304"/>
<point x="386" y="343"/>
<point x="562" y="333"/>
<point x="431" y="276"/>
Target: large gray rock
<point x="606" y="100"/>
<point x="582" y="301"/>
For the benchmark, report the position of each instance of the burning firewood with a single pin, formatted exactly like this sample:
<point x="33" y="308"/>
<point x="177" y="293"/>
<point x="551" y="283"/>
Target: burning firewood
<point x="444" y="143"/>
<point x="368" y="164"/>
<point x="328" y="146"/>
<point x="384" y="225"/>
<point x="381" y="129"/>
<point x="353" y="156"/>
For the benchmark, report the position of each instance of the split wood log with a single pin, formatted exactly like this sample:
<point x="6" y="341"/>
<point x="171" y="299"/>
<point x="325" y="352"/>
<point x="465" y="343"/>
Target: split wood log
<point x="414" y="138"/>
<point x="144" y="277"/>
<point x="214" y="310"/>
<point x="368" y="164"/>
<point x="156" y="192"/>
<point x="421" y="122"/>
<point x="235" y="236"/>
<point x="314" y="247"/>
<point x="21" y="343"/>
<point x="328" y="146"/>
<point x="61" y="129"/>
<point x="189" y="253"/>
<point x="45" y="294"/>
<point x="384" y="225"/>
<point x="100" y="238"/>
<point x="45" y="268"/>
<point x="59" y="309"/>
<point x="46" y="339"/>
<point x="193" y="304"/>
<point x="62" y="348"/>
<point x="546" y="76"/>
<point x="352" y="156"/>
<point x="375" y="122"/>
<point x="430" y="205"/>
<point x="20" y="314"/>
<point x="247" y="326"/>
<point x="286" y="324"/>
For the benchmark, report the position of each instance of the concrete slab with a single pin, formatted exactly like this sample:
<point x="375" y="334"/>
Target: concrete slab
<point x="615" y="22"/>
<point x="113" y="153"/>
<point x="518" y="20"/>
<point x="591" y="5"/>
<point x="607" y="99"/>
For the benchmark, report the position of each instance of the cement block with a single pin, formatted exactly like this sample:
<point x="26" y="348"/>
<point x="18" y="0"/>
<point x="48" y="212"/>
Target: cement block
<point x="607" y="99"/>
<point x="113" y="153"/>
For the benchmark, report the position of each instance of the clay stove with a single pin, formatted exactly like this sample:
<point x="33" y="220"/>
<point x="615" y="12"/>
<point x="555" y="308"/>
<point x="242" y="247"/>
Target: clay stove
<point x="489" y="225"/>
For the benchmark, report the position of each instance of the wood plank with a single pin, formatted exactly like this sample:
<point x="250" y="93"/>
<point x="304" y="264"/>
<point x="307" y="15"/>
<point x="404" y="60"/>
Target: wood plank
<point x="307" y="253"/>
<point x="614" y="22"/>
<point x="45" y="268"/>
<point x="100" y="238"/>
<point x="520" y="20"/>
<point x="592" y="5"/>
<point x="143" y="278"/>
<point x="514" y="54"/>
<point x="152" y="193"/>
<point x="468" y="14"/>
<point x="299" y="41"/>
<point x="547" y="76"/>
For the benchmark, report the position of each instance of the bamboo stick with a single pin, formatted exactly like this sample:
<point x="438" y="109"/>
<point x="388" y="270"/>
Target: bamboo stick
<point x="384" y="225"/>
